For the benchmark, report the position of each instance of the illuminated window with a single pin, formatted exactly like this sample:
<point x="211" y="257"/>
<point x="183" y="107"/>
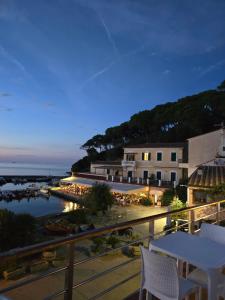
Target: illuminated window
<point x="146" y="156"/>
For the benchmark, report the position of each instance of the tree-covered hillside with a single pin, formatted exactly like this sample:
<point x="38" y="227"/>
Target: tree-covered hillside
<point x="170" y="122"/>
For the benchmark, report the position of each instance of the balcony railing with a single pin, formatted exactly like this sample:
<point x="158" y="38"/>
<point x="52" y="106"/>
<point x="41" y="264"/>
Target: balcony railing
<point x="129" y="163"/>
<point x="142" y="181"/>
<point x="194" y="215"/>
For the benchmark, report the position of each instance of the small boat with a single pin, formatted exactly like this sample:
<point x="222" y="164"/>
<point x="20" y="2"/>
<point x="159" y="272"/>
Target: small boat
<point x="60" y="227"/>
<point x="44" y="191"/>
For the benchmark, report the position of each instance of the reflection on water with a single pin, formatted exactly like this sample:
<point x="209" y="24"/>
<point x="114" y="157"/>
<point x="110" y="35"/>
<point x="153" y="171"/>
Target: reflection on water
<point x="36" y="206"/>
<point x="39" y="206"/>
<point x="69" y="206"/>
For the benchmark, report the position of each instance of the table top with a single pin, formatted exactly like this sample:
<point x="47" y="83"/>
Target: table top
<point x="199" y="251"/>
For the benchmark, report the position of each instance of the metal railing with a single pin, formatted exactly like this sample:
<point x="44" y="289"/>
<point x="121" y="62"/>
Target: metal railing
<point x="142" y="181"/>
<point x="215" y="213"/>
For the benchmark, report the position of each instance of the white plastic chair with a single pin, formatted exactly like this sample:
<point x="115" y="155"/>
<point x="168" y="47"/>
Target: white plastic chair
<point x="160" y="277"/>
<point x="217" y="234"/>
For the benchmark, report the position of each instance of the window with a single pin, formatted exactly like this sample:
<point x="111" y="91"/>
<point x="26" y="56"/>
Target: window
<point x="145" y="174"/>
<point x="108" y="171"/>
<point x="173" y="176"/>
<point x="129" y="174"/>
<point x="158" y="175"/>
<point x="173" y="156"/>
<point x="159" y="156"/>
<point x="146" y="156"/>
<point x="223" y="148"/>
<point x="130" y="157"/>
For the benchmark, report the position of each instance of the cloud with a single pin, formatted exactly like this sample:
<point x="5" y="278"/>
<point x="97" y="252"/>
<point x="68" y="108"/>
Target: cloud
<point x="7" y="109"/>
<point x="9" y="11"/>
<point x="171" y="28"/>
<point x="49" y="104"/>
<point x="166" y="72"/>
<point x="4" y="94"/>
<point x="212" y="67"/>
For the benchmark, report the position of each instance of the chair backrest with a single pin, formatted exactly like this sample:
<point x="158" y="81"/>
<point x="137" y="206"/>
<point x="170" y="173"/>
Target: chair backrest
<point x="213" y="232"/>
<point x="159" y="275"/>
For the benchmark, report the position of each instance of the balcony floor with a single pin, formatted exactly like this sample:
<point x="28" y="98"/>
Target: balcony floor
<point x="135" y="296"/>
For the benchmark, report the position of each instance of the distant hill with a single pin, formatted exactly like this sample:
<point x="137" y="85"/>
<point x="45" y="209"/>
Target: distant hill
<point x="170" y="122"/>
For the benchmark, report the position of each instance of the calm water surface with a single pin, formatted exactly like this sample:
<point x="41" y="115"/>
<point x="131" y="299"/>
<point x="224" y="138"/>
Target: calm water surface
<point x="38" y="206"/>
<point x="32" y="169"/>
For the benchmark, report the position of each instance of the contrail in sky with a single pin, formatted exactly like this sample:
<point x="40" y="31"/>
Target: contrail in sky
<point x="95" y="75"/>
<point x="12" y="59"/>
<point x="108" y="33"/>
<point x="109" y="66"/>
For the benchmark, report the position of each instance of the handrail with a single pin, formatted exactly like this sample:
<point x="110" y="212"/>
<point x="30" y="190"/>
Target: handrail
<point x="21" y="252"/>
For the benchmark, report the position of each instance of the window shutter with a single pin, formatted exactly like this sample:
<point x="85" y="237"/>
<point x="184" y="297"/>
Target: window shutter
<point x="149" y="156"/>
<point x="143" y="156"/>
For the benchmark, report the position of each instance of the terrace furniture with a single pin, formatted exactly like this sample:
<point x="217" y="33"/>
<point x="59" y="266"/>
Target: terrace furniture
<point x="160" y="277"/>
<point x="215" y="233"/>
<point x="14" y="273"/>
<point x="205" y="254"/>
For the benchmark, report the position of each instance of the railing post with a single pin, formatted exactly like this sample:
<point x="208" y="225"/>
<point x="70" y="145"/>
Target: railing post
<point x="218" y="213"/>
<point x="121" y="178"/>
<point x="191" y="223"/>
<point x="69" y="274"/>
<point x="151" y="231"/>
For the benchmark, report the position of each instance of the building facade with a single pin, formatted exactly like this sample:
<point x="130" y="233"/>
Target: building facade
<point x="159" y="161"/>
<point x="203" y="149"/>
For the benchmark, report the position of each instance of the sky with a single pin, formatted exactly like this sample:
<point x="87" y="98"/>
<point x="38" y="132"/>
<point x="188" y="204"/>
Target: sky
<point x="69" y="69"/>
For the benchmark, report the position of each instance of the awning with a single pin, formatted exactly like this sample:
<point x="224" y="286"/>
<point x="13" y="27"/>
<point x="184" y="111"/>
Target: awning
<point x="115" y="186"/>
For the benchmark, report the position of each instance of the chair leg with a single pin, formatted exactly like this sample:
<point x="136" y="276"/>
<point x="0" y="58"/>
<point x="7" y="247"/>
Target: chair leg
<point x="148" y="295"/>
<point x="141" y="294"/>
<point x="198" y="294"/>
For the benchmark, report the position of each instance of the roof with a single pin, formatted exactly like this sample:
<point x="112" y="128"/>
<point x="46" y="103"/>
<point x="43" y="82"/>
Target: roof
<point x="207" y="176"/>
<point x="202" y="134"/>
<point x="109" y="167"/>
<point x="158" y="145"/>
<point x="115" y="186"/>
<point x="106" y="162"/>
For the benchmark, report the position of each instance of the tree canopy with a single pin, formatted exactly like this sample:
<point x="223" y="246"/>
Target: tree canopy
<point x="99" y="198"/>
<point x="169" y="122"/>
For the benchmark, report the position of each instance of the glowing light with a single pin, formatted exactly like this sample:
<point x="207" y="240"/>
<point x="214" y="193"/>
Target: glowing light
<point x="69" y="206"/>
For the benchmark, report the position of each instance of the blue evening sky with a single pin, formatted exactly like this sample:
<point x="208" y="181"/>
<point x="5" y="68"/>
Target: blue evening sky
<point x="71" y="68"/>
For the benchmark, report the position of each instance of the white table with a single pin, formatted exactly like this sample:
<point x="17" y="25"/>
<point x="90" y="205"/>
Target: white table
<point x="201" y="252"/>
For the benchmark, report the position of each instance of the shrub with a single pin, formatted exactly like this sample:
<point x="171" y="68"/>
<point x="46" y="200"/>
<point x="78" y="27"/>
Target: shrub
<point x="25" y="226"/>
<point x="98" y="244"/>
<point x="167" y="197"/>
<point x="7" y="229"/>
<point x="78" y="216"/>
<point x="99" y="198"/>
<point x="16" y="230"/>
<point x="113" y="241"/>
<point x="146" y="201"/>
